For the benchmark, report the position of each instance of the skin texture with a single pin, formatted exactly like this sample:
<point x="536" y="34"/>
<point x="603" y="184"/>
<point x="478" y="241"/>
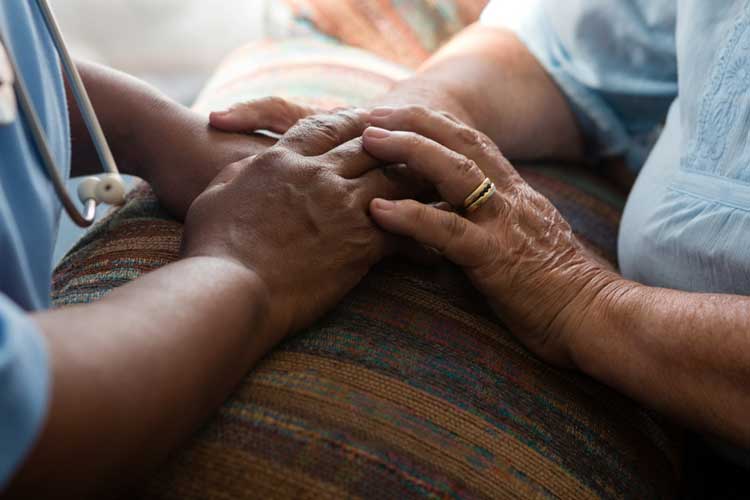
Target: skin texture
<point x="321" y="193"/>
<point x="516" y="249"/>
<point x="154" y="138"/>
<point x="136" y="373"/>
<point x="683" y="354"/>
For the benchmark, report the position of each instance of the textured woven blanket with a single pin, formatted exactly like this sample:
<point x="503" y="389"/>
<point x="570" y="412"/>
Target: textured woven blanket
<point x="411" y="387"/>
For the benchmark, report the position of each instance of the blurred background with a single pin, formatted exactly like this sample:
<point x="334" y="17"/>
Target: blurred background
<point x="173" y="44"/>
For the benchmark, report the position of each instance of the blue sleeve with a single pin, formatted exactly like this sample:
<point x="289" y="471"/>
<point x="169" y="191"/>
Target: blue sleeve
<point x="615" y="60"/>
<point x="24" y="386"/>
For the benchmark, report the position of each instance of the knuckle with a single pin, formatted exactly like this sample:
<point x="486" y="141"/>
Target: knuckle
<point x="312" y="127"/>
<point x="314" y="122"/>
<point x="352" y="117"/>
<point x="349" y="113"/>
<point x="450" y="117"/>
<point x="231" y="171"/>
<point x="488" y="146"/>
<point x="252" y="107"/>
<point x="417" y="114"/>
<point x="325" y="126"/>
<point x="240" y="164"/>
<point x="414" y="142"/>
<point x="465" y="166"/>
<point x="469" y="136"/>
<point x="271" y="102"/>
<point x="274" y="156"/>
<point x="345" y="120"/>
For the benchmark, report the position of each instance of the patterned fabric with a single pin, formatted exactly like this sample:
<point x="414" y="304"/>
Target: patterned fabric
<point x="307" y="70"/>
<point x="405" y="31"/>
<point x="411" y="387"/>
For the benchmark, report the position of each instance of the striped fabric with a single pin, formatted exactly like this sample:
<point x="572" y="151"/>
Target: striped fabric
<point x="308" y="70"/>
<point x="411" y="387"/>
<point x="404" y="31"/>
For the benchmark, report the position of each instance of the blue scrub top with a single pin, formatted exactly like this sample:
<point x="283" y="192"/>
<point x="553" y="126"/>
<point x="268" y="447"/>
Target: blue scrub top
<point x="29" y="215"/>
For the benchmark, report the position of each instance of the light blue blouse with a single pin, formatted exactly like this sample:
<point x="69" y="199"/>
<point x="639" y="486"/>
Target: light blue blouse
<point x="630" y="66"/>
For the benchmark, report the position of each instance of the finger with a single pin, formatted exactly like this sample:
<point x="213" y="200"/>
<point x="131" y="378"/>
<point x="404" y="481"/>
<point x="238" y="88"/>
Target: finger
<point x="350" y="160"/>
<point x="453" y="175"/>
<point x="268" y="113"/>
<point x="458" y="239"/>
<point x="446" y="130"/>
<point x="318" y="134"/>
<point x="388" y="183"/>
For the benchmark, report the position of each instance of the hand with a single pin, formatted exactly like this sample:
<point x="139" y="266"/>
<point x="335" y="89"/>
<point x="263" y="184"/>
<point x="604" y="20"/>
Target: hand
<point x="297" y="216"/>
<point x="516" y="249"/>
<point x="274" y="114"/>
<point x="278" y="115"/>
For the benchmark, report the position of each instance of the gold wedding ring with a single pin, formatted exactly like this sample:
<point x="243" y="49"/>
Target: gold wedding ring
<point x="480" y="196"/>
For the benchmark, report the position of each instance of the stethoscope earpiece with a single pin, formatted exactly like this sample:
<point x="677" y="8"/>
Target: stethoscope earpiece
<point x="109" y="188"/>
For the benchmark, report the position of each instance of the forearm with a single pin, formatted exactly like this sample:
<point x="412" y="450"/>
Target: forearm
<point x="686" y="355"/>
<point x="146" y="129"/>
<point x="487" y="78"/>
<point x="136" y="373"/>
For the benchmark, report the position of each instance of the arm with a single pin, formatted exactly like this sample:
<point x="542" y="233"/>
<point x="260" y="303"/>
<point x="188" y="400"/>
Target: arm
<point x="135" y="373"/>
<point x="153" y="137"/>
<point x="487" y="78"/>
<point x="685" y="354"/>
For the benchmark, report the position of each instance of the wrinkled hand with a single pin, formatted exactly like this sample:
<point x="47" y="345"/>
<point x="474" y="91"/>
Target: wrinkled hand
<point x="516" y="249"/>
<point x="297" y="216"/>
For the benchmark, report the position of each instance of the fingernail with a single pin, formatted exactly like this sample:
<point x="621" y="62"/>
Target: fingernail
<point x="220" y="113"/>
<point x="381" y="112"/>
<point x="380" y="204"/>
<point x="377" y="133"/>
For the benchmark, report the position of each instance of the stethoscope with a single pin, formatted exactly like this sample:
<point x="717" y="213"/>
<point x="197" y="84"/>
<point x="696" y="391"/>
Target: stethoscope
<point x="108" y="188"/>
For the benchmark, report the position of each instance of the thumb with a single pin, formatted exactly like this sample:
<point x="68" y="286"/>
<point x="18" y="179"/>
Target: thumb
<point x="458" y="239"/>
<point x="268" y="113"/>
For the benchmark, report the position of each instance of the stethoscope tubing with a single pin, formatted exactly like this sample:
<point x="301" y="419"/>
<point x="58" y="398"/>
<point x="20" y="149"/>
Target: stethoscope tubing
<point x="83" y="101"/>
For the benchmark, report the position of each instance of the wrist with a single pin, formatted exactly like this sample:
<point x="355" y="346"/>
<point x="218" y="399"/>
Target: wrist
<point x="247" y="286"/>
<point x="433" y="94"/>
<point x="163" y="127"/>
<point x="607" y="308"/>
<point x="180" y="138"/>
